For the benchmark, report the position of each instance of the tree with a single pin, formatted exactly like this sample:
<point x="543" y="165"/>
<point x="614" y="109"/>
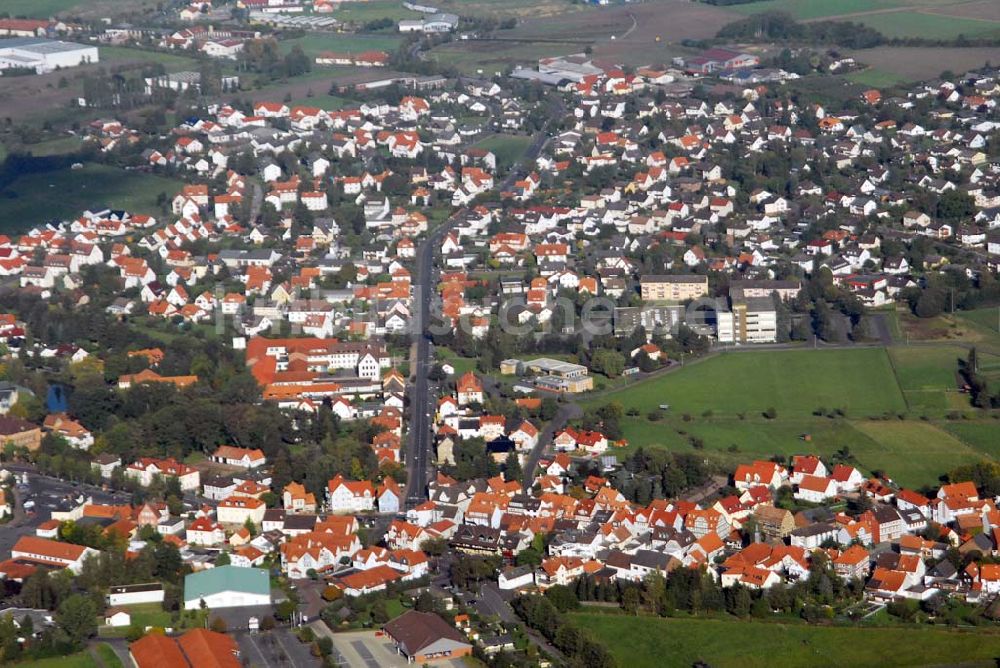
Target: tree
<point x="562" y="597"/>
<point x="512" y="467"/>
<point x="77" y="618"/>
<point x="380" y="614"/>
<point x="609" y="362"/>
<point x="930" y="303"/>
<point x="219" y="625"/>
<point x="223" y="559"/>
<point x="630" y="600"/>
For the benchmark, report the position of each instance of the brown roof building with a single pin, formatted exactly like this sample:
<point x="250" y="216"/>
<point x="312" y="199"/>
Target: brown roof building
<point x="423" y="637"/>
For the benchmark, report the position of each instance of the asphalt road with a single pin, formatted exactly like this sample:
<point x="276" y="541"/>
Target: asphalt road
<point x="423" y="398"/>
<point x="566" y="412"/>
<point x="418" y="455"/>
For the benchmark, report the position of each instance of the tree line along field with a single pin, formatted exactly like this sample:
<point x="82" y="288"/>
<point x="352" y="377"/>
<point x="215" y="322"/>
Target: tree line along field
<point x="651" y="642"/>
<point x="36" y="198"/>
<point x="717" y="406"/>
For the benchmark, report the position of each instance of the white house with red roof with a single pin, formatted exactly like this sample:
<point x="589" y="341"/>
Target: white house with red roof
<point x="349" y="496"/>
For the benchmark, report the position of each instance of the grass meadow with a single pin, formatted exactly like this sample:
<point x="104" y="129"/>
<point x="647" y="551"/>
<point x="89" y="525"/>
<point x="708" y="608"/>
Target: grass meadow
<point x="648" y="642"/>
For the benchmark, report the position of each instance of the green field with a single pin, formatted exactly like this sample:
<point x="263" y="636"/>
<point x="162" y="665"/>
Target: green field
<point x="37" y="198"/>
<point x="471" y="56"/>
<point x="930" y="26"/>
<point x="41" y="9"/>
<point x="912" y="453"/>
<point x="648" y="642"/>
<point x="813" y="9"/>
<point x="316" y="43"/>
<point x="328" y="102"/>
<point x="875" y="78"/>
<point x="927" y="377"/>
<point x="363" y="12"/>
<point x="170" y="61"/>
<point x="507" y="148"/>
<point x="983" y="436"/>
<point x="795" y="382"/>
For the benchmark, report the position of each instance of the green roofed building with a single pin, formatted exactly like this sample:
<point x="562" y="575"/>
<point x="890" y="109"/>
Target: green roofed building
<point x="227" y="587"/>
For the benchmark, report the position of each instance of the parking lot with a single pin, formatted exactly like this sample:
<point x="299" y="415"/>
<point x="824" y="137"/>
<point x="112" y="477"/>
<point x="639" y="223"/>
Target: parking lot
<point x="362" y="649"/>
<point x="274" y="648"/>
<point x="47" y="493"/>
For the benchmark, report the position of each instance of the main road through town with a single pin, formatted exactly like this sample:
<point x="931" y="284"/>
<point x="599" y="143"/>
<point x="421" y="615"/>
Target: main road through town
<point x="423" y="393"/>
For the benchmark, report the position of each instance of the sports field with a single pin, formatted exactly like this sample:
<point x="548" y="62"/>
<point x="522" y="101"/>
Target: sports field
<point x="38" y="198"/>
<point x="649" y="642"/>
<point x="795" y="382"/>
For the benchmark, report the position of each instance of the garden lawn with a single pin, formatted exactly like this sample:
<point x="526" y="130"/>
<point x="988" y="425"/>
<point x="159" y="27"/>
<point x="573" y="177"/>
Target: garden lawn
<point x="912" y="453"/>
<point x="649" y="642"/>
<point x="794" y="382"/>
<point x="107" y="655"/>
<point x="38" y="198"/>
<point x="79" y="660"/>
<point x="507" y="148"/>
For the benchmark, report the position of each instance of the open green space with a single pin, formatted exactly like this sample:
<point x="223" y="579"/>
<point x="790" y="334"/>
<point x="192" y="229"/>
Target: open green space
<point x="37" y="198"/>
<point x="41" y="9"/>
<point x="927" y="376"/>
<point x="57" y="146"/>
<point x="507" y="148"/>
<point x="79" y="660"/>
<point x="912" y="453"/>
<point x="813" y="9"/>
<point x="795" y="382"/>
<point x="875" y="78"/>
<point x="327" y="102"/>
<point x="649" y="642"/>
<point x="461" y="364"/>
<point x="147" y="614"/>
<point x="363" y="12"/>
<point x="930" y="26"/>
<point x="116" y="55"/>
<point x="315" y="43"/>
<point x="107" y="656"/>
<point x="489" y="56"/>
<point x="983" y="436"/>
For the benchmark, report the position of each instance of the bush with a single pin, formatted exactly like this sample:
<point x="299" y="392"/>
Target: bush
<point x="771" y="413"/>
